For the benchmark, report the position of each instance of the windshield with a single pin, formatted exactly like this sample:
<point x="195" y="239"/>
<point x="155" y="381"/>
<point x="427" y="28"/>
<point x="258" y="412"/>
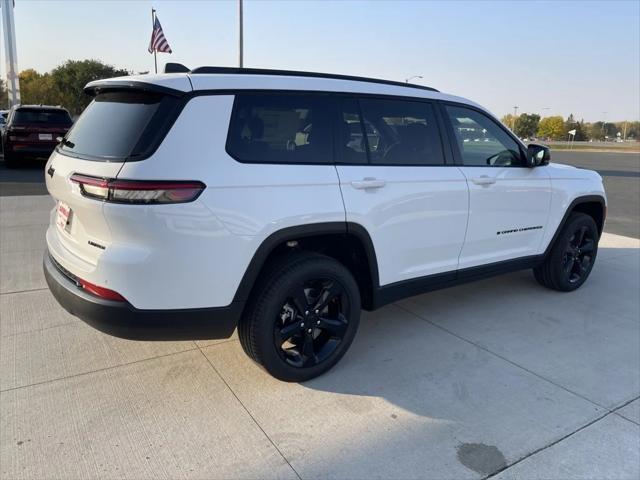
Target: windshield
<point x="26" y="116"/>
<point x="119" y="125"/>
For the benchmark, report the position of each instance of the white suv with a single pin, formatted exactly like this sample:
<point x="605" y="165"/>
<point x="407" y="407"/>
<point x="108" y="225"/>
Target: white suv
<point x="281" y="203"/>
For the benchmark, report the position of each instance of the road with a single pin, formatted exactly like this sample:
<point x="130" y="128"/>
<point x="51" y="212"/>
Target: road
<point x="621" y="172"/>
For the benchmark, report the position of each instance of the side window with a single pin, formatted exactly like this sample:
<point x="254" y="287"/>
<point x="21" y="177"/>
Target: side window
<point x="351" y="144"/>
<point x="401" y="132"/>
<point x="481" y="141"/>
<point x="281" y="128"/>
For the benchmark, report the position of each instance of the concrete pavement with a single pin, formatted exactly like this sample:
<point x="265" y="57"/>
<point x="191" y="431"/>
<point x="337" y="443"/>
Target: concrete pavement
<point x="500" y="377"/>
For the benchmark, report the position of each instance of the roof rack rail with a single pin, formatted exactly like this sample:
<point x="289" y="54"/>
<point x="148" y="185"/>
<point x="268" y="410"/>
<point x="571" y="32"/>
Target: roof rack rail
<point x="294" y="73"/>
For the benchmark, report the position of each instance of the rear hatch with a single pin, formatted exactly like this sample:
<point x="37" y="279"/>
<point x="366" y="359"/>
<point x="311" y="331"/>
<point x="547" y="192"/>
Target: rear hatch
<point x="121" y="124"/>
<point x="39" y="126"/>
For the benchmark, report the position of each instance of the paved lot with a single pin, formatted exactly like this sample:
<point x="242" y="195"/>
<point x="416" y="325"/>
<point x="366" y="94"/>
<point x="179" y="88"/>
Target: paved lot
<point x="499" y="377"/>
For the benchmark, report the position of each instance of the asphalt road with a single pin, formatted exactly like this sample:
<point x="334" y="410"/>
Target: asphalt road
<point x="621" y="172"/>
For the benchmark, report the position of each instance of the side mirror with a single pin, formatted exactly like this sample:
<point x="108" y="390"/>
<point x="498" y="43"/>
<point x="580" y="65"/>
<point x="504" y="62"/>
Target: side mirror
<point x="537" y="155"/>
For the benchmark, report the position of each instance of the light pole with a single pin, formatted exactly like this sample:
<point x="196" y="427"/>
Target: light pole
<point x="406" y="80"/>
<point x="11" y="55"/>
<point x="240" y="35"/>
<point x="515" y="115"/>
<point x="604" y="124"/>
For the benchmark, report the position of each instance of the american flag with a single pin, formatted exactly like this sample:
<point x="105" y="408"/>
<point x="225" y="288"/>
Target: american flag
<point x="158" y="43"/>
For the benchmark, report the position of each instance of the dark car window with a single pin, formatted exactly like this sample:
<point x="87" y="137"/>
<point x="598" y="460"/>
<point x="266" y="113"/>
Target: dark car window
<point x="41" y="116"/>
<point x="281" y="128"/>
<point x="117" y="125"/>
<point x="481" y="141"/>
<point x="351" y="145"/>
<point x="401" y="132"/>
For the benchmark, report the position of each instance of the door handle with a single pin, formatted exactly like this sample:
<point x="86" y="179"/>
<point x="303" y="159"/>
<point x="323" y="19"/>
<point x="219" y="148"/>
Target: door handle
<point x="368" y="183"/>
<point x="483" y="180"/>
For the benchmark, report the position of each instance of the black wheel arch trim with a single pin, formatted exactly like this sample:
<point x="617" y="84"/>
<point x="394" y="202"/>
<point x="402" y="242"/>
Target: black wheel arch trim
<point x="279" y="237"/>
<point x="574" y="203"/>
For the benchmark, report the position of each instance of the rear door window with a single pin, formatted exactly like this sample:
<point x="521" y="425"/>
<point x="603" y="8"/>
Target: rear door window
<point x="401" y="132"/>
<point x="281" y="128"/>
<point x="120" y="125"/>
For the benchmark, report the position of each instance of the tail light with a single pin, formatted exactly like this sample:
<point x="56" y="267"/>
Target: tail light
<point x="139" y="192"/>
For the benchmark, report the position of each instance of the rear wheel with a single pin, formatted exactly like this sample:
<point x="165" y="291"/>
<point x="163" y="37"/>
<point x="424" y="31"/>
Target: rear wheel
<point x="572" y="256"/>
<point x="302" y="317"/>
<point x="10" y="160"/>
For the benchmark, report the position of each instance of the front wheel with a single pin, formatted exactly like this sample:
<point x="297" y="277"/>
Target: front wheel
<point x="302" y="317"/>
<point x="572" y="256"/>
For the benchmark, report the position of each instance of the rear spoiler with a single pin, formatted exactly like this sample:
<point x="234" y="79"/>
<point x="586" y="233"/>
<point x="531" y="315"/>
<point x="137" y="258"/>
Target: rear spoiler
<point x="101" y="86"/>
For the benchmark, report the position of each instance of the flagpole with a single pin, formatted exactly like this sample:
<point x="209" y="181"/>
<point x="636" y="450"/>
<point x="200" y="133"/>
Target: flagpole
<point x="153" y="25"/>
<point x="240" y="33"/>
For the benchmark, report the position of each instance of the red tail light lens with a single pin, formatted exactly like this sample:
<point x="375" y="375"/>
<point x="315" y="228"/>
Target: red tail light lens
<point x="101" y="291"/>
<point x="140" y="192"/>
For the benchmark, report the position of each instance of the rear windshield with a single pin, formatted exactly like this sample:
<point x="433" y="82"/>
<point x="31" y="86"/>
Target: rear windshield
<point x="120" y="125"/>
<point x="41" y="116"/>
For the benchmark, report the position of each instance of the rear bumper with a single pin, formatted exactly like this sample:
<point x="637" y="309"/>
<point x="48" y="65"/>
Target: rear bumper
<point x="30" y="150"/>
<point x="121" y="319"/>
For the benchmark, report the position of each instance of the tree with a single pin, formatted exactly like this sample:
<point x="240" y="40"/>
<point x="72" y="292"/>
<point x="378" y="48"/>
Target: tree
<point x="527" y="125"/>
<point x="552" y="128"/>
<point x="37" y="88"/>
<point x="508" y="120"/>
<point x="581" y="132"/>
<point x="572" y="124"/>
<point x="71" y="78"/>
<point x="600" y="130"/>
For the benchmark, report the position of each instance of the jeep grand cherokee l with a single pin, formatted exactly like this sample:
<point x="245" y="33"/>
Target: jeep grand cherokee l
<point x="31" y="131"/>
<point x="282" y="203"/>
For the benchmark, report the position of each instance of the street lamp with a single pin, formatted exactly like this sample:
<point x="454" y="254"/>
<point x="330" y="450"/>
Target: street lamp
<point x="406" y="80"/>
<point x="515" y="114"/>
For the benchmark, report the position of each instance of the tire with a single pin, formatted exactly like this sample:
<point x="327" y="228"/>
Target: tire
<point x="282" y="307"/>
<point x="10" y="160"/>
<point x="572" y="256"/>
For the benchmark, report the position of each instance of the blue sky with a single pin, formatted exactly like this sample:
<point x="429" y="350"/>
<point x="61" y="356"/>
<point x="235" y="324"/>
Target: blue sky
<point x="580" y="57"/>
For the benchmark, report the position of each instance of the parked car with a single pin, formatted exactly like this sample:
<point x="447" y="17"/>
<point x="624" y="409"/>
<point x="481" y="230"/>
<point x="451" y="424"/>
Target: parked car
<point x="226" y="198"/>
<point x="3" y="121"/>
<point x="31" y="132"/>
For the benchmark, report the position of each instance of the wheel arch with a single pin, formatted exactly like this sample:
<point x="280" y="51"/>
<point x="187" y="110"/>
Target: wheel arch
<point x="347" y="242"/>
<point x="593" y="205"/>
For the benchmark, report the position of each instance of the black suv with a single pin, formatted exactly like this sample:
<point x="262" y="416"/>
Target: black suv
<point x="31" y="131"/>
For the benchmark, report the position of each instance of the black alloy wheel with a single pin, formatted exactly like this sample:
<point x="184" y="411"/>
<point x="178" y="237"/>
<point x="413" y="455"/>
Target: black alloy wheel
<point x="572" y="256"/>
<point x="301" y="317"/>
<point x="578" y="255"/>
<point x="312" y="323"/>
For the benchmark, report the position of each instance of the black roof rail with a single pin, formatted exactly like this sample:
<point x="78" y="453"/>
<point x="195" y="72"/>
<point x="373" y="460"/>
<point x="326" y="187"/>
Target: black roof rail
<point x="294" y="73"/>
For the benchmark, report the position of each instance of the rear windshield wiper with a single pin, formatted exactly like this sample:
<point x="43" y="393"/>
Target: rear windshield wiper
<point x="65" y="142"/>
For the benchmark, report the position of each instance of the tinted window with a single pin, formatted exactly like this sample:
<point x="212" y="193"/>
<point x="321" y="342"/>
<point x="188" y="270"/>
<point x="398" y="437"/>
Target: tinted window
<point x="481" y="141"/>
<point x="281" y="128"/>
<point x="117" y="125"/>
<point x="352" y="147"/>
<point x="401" y="132"/>
<point x="40" y="116"/>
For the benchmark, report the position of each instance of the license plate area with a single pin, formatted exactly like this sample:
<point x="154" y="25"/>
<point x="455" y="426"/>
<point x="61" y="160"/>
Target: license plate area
<point x="45" y="136"/>
<point x="64" y="217"/>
